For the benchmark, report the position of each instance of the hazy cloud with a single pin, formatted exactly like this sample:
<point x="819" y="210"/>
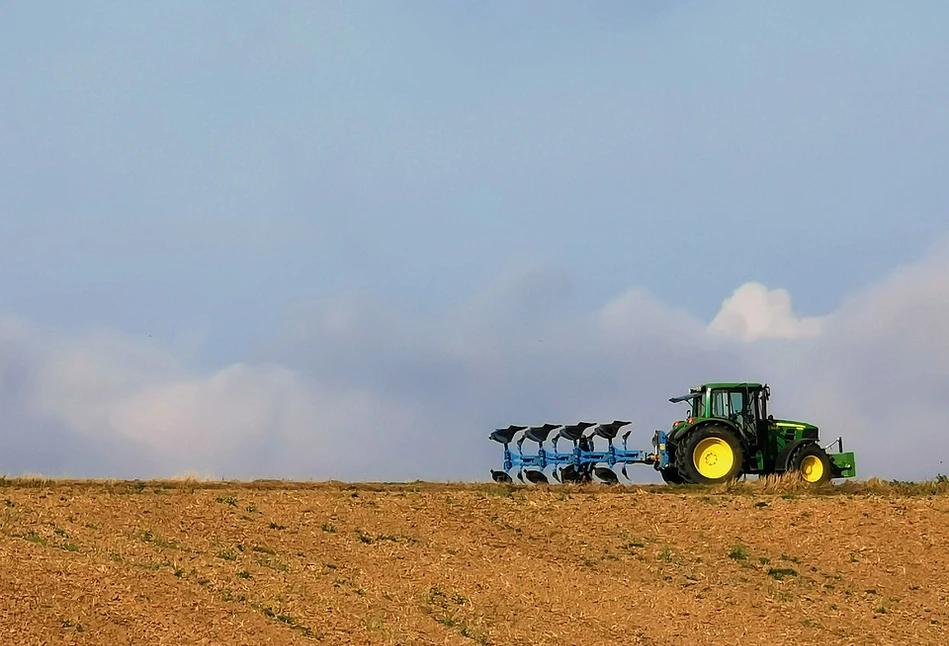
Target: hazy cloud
<point x="365" y="390"/>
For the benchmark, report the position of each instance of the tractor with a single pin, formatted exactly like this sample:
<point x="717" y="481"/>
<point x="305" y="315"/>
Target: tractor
<point x="727" y="434"/>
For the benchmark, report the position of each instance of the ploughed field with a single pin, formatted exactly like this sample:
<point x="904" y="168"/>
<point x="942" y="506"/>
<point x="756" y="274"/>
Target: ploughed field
<point x="284" y="563"/>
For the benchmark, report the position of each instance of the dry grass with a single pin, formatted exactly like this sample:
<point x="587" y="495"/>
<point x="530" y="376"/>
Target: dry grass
<point x="200" y="562"/>
<point x="783" y="484"/>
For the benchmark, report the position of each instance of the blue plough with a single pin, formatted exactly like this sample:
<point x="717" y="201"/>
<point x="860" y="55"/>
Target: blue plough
<point x="583" y="462"/>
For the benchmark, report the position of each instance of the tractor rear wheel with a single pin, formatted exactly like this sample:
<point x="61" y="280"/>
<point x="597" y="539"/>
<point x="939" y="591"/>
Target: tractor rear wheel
<point x="812" y="463"/>
<point x="709" y="455"/>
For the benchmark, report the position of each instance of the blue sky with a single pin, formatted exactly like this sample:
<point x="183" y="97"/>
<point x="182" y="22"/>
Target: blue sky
<point x="343" y="200"/>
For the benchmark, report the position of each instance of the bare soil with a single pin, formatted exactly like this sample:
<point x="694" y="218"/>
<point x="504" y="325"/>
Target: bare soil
<point x="334" y="563"/>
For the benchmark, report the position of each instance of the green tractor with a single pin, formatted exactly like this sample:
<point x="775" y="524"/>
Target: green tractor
<point x="729" y="433"/>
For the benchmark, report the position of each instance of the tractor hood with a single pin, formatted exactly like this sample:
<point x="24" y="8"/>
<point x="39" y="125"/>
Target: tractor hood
<point x="793" y="425"/>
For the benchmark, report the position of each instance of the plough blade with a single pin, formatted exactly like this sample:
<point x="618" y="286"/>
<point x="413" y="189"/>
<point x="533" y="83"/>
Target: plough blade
<point x="536" y="477"/>
<point x="606" y="475"/>
<point x="501" y="477"/>
<point x="575" y="431"/>
<point x="609" y="431"/>
<point x="570" y="474"/>
<point x="505" y="435"/>
<point x="540" y="434"/>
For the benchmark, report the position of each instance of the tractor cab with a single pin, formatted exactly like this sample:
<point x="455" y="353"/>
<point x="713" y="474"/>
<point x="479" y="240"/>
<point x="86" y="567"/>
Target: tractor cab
<point x="744" y="404"/>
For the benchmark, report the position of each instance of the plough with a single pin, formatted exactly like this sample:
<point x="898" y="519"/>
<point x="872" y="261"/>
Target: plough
<point x="582" y="462"/>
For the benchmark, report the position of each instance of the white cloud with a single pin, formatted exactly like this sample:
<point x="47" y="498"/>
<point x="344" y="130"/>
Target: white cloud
<point x="126" y="392"/>
<point x="78" y="381"/>
<point x="754" y="312"/>
<point x="879" y="374"/>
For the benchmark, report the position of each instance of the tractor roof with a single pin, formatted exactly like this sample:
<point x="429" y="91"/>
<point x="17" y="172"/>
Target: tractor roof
<point x="730" y="385"/>
<point x="724" y="385"/>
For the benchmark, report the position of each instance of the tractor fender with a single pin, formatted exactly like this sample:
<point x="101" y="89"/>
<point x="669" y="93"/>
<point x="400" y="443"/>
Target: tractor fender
<point x="781" y="461"/>
<point x="681" y="432"/>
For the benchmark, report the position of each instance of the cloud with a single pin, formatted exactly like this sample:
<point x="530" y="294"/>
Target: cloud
<point x="879" y="373"/>
<point x="366" y="389"/>
<point x="242" y="420"/>
<point x="754" y="312"/>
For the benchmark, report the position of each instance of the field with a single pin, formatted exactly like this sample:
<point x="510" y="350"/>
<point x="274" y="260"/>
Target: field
<point x="300" y="563"/>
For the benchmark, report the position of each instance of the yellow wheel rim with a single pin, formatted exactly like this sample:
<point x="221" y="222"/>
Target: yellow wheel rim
<point x="713" y="458"/>
<point x="812" y="469"/>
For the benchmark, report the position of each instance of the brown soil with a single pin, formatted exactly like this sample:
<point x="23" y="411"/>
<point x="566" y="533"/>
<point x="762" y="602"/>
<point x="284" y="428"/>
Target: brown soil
<point x="280" y="563"/>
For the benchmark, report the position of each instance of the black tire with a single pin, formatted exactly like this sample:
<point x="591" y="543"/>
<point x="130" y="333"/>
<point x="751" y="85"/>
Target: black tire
<point x="670" y="475"/>
<point x="696" y="438"/>
<point x="804" y="462"/>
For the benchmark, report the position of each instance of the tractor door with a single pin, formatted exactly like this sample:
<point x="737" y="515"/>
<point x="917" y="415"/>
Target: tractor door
<point x="743" y="407"/>
<point x="746" y="403"/>
<point x="757" y="401"/>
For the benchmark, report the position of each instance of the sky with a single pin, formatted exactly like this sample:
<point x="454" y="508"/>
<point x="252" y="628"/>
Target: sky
<point x="348" y="239"/>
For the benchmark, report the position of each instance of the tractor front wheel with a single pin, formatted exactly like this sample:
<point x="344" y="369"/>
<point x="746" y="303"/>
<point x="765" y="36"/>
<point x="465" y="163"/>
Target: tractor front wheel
<point x="709" y="455"/>
<point x="812" y="463"/>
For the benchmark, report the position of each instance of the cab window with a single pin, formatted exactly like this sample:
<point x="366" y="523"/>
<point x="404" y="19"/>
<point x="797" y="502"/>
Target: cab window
<point x="728" y="404"/>
<point x="720" y="403"/>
